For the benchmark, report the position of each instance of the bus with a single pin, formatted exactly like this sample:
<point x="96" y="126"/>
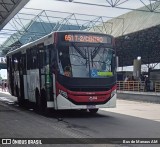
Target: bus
<point x="65" y="70"/>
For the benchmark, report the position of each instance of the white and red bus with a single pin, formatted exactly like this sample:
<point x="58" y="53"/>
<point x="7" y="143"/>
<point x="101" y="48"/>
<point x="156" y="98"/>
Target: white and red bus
<point x="65" y="70"/>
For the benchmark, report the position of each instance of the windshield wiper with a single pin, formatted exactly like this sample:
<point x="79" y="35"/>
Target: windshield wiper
<point x="79" y="51"/>
<point x="96" y="50"/>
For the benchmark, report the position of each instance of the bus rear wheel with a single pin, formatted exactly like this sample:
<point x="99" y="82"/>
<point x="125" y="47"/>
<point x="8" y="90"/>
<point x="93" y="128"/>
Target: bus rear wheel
<point x="93" y="110"/>
<point x="41" y="102"/>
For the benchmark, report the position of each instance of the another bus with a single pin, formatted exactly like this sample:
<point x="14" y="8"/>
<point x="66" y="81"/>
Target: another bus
<point x="65" y="70"/>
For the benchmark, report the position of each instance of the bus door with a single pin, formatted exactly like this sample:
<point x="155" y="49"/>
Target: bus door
<point x="10" y="75"/>
<point x="46" y="77"/>
<point x="32" y="73"/>
<point x="15" y="74"/>
<point x="22" y="74"/>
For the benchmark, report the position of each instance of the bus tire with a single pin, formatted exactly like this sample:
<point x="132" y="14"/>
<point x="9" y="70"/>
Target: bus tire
<point x="93" y="110"/>
<point x="43" y="101"/>
<point x="83" y="110"/>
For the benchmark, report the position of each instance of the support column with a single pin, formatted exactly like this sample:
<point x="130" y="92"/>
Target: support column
<point x="136" y="68"/>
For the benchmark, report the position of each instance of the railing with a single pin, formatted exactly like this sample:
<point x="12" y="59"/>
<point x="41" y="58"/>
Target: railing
<point x="130" y="86"/>
<point x="157" y="86"/>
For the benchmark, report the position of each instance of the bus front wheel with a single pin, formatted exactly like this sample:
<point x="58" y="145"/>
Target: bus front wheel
<point x="93" y="110"/>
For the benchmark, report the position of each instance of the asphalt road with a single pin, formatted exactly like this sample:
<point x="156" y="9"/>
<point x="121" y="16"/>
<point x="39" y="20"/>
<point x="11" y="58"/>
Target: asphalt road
<point x="107" y="123"/>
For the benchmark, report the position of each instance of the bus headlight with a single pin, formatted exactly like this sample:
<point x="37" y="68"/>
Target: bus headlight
<point x="63" y="93"/>
<point x="113" y="92"/>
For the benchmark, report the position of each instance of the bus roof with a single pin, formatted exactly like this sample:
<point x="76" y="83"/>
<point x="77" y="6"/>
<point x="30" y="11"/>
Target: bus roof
<point x="34" y="43"/>
<point x="46" y="38"/>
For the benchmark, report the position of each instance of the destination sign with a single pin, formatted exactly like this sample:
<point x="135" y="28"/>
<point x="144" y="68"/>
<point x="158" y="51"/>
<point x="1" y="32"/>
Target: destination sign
<point x="87" y="38"/>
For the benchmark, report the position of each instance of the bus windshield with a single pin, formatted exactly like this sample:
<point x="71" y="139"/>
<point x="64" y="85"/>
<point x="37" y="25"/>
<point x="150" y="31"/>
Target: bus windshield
<point x="87" y="62"/>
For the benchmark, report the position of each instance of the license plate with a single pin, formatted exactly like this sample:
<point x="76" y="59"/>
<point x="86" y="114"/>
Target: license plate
<point x="91" y="106"/>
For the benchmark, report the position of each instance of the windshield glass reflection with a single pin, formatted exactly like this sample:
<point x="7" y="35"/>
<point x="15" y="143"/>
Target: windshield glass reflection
<point x="94" y="62"/>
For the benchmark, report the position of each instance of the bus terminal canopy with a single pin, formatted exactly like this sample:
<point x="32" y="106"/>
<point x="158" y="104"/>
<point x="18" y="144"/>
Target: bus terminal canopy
<point x="136" y="32"/>
<point x="136" y="35"/>
<point x="8" y="8"/>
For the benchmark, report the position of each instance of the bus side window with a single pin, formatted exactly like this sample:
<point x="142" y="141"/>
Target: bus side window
<point x="53" y="60"/>
<point x="24" y="64"/>
<point x="41" y="60"/>
<point x="8" y="63"/>
<point x="15" y="63"/>
<point x="33" y="58"/>
<point x="28" y="59"/>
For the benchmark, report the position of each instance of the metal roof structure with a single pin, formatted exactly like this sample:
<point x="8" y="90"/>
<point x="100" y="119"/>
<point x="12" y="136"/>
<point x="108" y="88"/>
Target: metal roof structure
<point x="33" y="31"/>
<point x="144" y="44"/>
<point x="140" y="37"/>
<point x="113" y="5"/>
<point x="137" y="34"/>
<point x="149" y="5"/>
<point x="8" y="8"/>
<point x="131" y="22"/>
<point x="36" y="23"/>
